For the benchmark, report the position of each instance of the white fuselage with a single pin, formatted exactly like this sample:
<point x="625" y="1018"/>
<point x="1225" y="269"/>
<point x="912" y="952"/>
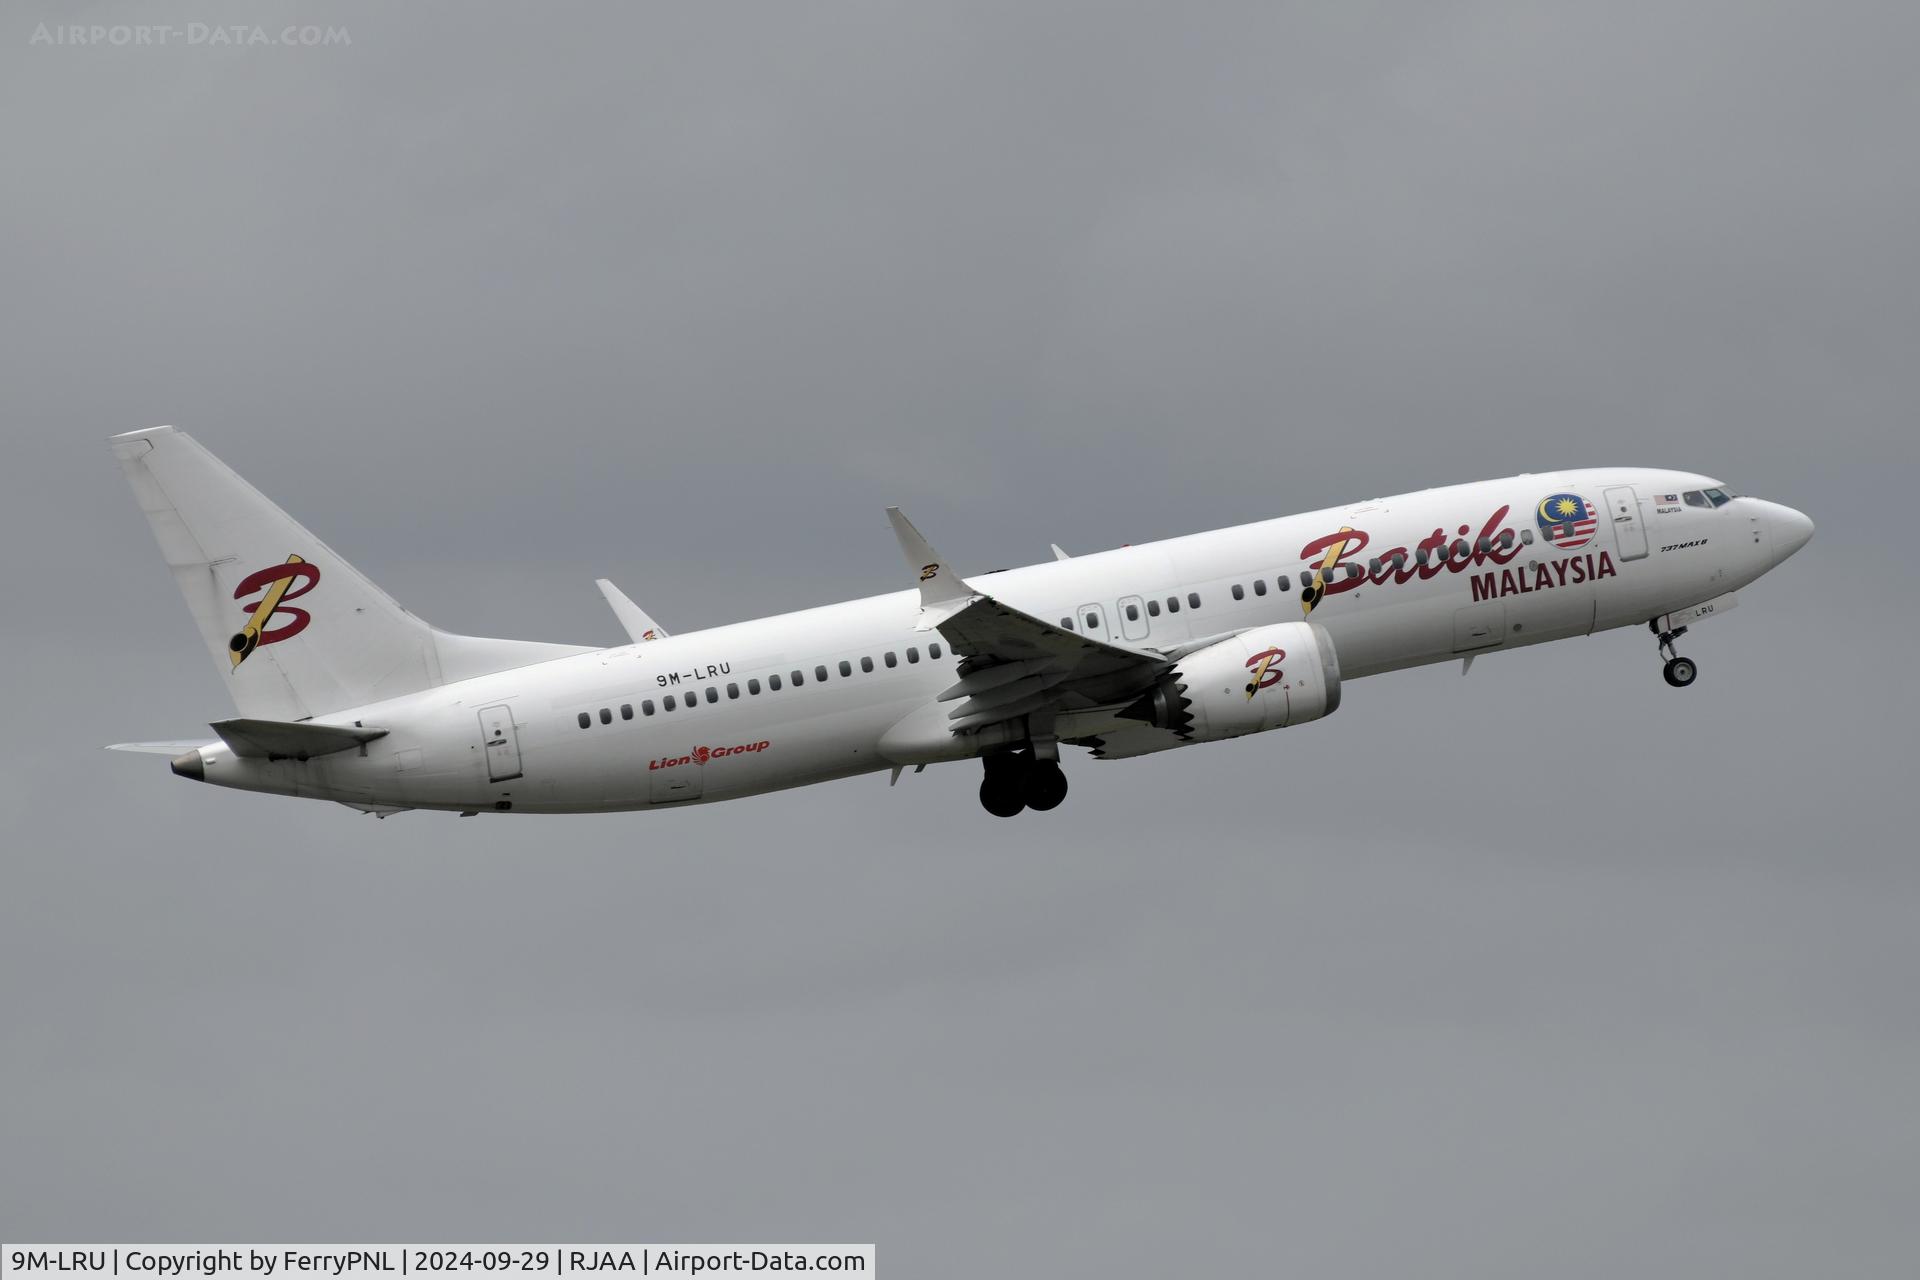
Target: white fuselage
<point x="515" y="740"/>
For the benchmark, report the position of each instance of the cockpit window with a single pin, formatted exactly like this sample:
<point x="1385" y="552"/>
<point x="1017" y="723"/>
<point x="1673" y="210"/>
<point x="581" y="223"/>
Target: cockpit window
<point x="1708" y="497"/>
<point x="1695" y="498"/>
<point x="1719" y="497"/>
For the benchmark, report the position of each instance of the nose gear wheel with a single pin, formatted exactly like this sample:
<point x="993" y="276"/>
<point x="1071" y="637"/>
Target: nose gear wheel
<point x="1678" y="671"/>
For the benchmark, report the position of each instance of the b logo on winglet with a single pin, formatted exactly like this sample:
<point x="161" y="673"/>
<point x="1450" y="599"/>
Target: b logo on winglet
<point x="927" y="571"/>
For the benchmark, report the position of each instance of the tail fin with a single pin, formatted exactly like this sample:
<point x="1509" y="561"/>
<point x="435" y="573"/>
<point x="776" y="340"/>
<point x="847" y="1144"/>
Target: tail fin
<point x="242" y="564"/>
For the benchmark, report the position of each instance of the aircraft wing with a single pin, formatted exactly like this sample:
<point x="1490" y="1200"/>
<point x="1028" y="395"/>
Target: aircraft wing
<point x="1014" y="663"/>
<point x="1017" y="665"/>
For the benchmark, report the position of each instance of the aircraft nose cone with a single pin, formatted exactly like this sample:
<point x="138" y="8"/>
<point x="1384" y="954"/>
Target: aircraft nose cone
<point x="1791" y="531"/>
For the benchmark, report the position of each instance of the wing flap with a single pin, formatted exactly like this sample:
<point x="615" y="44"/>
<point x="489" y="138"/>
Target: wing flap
<point x="1049" y="668"/>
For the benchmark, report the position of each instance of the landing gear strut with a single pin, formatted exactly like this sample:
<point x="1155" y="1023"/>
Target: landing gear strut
<point x="1679" y="671"/>
<point x="1017" y="780"/>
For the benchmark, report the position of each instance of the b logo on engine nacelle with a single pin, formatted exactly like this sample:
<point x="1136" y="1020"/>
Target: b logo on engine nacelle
<point x="1265" y="667"/>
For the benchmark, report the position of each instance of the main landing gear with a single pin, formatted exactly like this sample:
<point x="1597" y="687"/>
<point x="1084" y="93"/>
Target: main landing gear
<point x="1019" y="780"/>
<point x="1679" y="671"/>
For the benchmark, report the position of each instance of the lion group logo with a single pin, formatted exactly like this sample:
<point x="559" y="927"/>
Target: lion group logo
<point x="702" y="755"/>
<point x="277" y="584"/>
<point x="1264" y="670"/>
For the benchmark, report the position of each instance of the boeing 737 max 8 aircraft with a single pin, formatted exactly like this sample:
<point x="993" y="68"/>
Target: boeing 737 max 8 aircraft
<point x="343" y="695"/>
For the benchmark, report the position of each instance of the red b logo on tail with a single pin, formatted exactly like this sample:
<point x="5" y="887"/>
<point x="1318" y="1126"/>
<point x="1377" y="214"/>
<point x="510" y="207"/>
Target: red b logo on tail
<point x="282" y="582"/>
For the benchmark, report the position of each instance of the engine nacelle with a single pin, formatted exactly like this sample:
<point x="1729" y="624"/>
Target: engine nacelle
<point x="1267" y="678"/>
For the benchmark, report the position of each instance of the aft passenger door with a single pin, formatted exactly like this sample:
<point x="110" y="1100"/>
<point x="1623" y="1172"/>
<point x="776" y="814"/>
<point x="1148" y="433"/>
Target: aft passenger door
<point x="502" y="743"/>
<point x="1629" y="532"/>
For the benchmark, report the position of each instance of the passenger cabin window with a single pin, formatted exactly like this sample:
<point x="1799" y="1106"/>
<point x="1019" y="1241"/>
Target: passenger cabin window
<point x="819" y="673"/>
<point x="799" y="679"/>
<point x="667" y="702"/>
<point x="713" y="694"/>
<point x="846" y="668"/>
<point x="1260" y="586"/>
<point x="1153" y="608"/>
<point x="1284" y="583"/>
<point x="1239" y="592"/>
<point x="913" y="654"/>
<point x="646" y="706"/>
<point x="1193" y="599"/>
<point x="753" y="686"/>
<point x="891" y="660"/>
<point x="606" y="716"/>
<point x="585" y="719"/>
<point x="933" y="651"/>
<point x="1173" y="604"/>
<point x="773" y="682"/>
<point x="1526" y="536"/>
<point x="866" y="664"/>
<point x="1066" y="624"/>
<point x="626" y="711"/>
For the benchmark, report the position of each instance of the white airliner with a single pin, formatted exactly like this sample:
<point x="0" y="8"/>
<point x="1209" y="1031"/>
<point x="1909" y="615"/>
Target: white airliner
<point x="343" y="695"/>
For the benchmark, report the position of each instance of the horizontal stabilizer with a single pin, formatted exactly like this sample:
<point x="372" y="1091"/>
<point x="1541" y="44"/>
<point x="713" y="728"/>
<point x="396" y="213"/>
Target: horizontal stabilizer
<point x="178" y="746"/>
<point x="284" y="739"/>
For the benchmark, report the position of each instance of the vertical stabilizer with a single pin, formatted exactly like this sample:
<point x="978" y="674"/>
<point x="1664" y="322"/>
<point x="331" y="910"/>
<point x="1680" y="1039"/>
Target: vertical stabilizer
<point x="294" y="630"/>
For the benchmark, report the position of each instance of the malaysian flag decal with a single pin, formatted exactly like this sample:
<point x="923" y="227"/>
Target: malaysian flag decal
<point x="1567" y="520"/>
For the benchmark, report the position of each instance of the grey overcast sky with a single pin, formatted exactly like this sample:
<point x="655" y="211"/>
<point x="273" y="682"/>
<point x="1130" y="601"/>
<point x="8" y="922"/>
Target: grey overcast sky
<point x="1550" y="970"/>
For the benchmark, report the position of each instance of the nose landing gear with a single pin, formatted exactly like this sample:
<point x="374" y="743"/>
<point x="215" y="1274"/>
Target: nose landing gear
<point x="1679" y="671"/>
<point x="1017" y="780"/>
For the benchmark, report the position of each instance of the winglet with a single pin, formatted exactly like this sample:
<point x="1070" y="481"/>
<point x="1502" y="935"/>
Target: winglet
<point x="639" y="627"/>
<point x="940" y="583"/>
